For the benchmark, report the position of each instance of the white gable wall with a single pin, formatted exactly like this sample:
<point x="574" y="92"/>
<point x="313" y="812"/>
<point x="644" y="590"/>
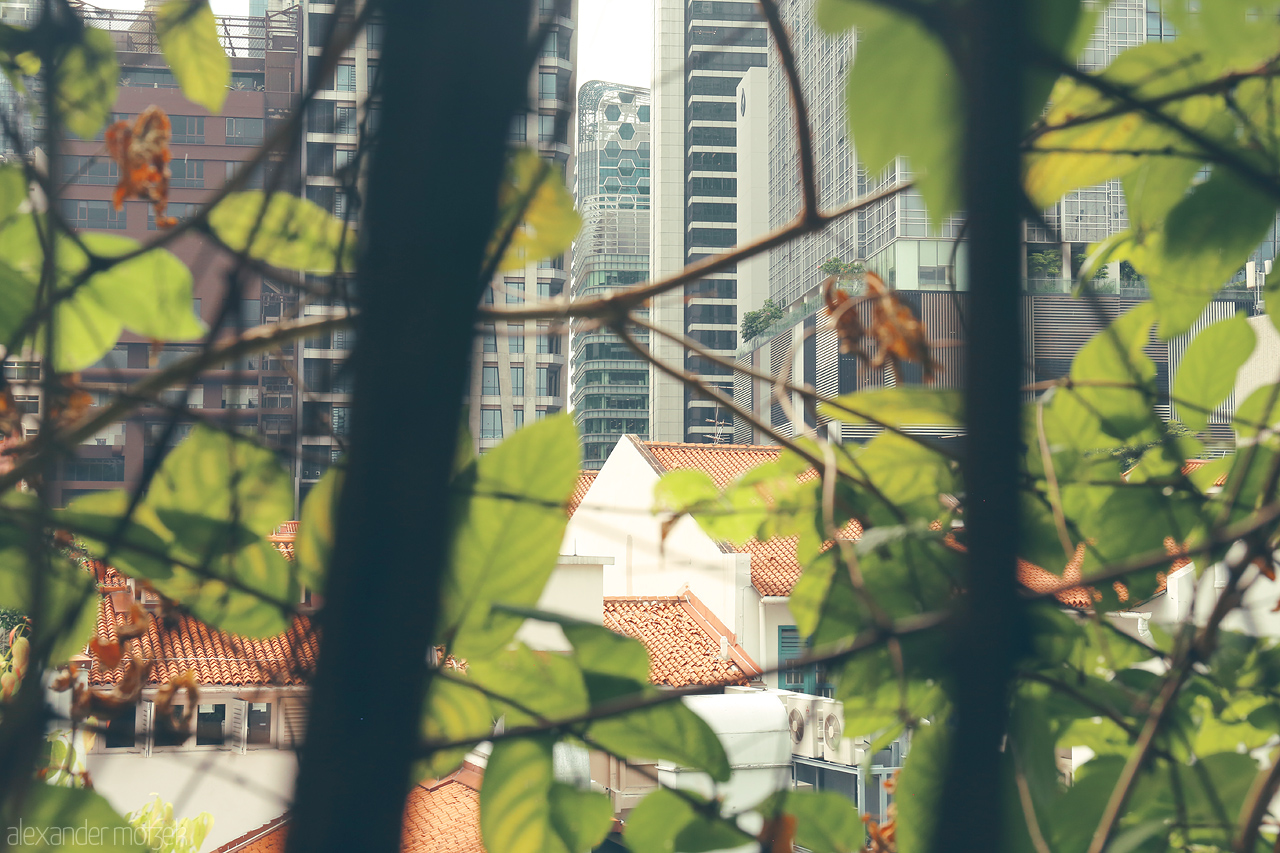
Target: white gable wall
<point x="616" y="520"/>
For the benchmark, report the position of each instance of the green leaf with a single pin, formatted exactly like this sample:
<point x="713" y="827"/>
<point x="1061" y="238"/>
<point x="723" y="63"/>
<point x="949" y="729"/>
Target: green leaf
<point x="1207" y="372"/>
<point x="17" y="302"/>
<point x="14" y="189"/>
<point x="69" y="819"/>
<point x="1207" y="237"/>
<point x="666" y="822"/>
<point x="670" y="731"/>
<point x="85" y="82"/>
<point x="683" y="490"/>
<point x="149" y="294"/>
<point x="908" y="474"/>
<point x="515" y="799"/>
<point x="826" y="822"/>
<point x="1155" y="187"/>
<point x="511" y="520"/>
<point x="581" y="818"/>
<point x="452" y="711"/>
<point x="188" y="36"/>
<point x="903" y="98"/>
<point x="919" y="792"/>
<point x="1081" y="415"/>
<point x="98" y="522"/>
<point x="57" y="594"/>
<point x="529" y="687"/>
<point x="549" y="222"/>
<point x="293" y="234"/>
<point x="313" y="545"/>
<point x="1259" y="411"/>
<point x="899" y="407"/>
<point x="225" y="479"/>
<point x="1072" y="153"/>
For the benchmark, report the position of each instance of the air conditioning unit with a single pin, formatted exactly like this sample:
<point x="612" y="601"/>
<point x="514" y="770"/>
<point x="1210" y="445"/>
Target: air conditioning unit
<point x="802" y="722"/>
<point x="836" y="748"/>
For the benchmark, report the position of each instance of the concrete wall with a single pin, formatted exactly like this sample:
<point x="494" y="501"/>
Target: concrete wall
<point x="753" y="184"/>
<point x="242" y="792"/>
<point x="575" y="589"/>
<point x="616" y="520"/>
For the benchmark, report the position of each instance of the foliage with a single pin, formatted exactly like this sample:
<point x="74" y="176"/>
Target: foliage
<point x="1105" y="486"/>
<point x="757" y="321"/>
<point x="164" y="833"/>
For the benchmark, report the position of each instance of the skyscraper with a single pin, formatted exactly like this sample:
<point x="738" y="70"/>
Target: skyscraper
<point x="701" y="50"/>
<point x="519" y="372"/>
<point x="254" y="395"/>
<point x="611" y="383"/>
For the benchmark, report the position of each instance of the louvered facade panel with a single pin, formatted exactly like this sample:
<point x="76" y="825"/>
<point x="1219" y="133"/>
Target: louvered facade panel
<point x="237" y="724"/>
<point x="1215" y="311"/>
<point x="293" y="722"/>
<point x="744" y="387"/>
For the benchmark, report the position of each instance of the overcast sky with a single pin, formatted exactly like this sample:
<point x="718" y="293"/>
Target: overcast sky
<point x="615" y="41"/>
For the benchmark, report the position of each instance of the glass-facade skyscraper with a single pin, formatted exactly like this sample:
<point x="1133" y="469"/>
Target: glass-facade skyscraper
<point x="610" y="382"/>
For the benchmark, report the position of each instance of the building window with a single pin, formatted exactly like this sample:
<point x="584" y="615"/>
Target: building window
<point x="186" y="173"/>
<point x="187" y="130"/>
<point x="547" y="87"/>
<point x="253" y="182"/>
<point x="28" y="404"/>
<point x="515" y="290"/>
<point x="22" y="371"/>
<point x="98" y="215"/>
<point x="515" y="337"/>
<point x="320" y="159"/>
<point x="341" y="420"/>
<point x="519" y="127"/>
<point x="808" y="679"/>
<point x="490" y="338"/>
<point x="548" y="382"/>
<point x="374" y="34"/>
<point x="148" y="78"/>
<point x="90" y="170"/>
<point x="166" y="733"/>
<point x="244" y="131"/>
<point x="122" y="729"/>
<point x="210" y="720"/>
<point x="259" y="728"/>
<point x="345" y="78"/>
<point x="490" y="423"/>
<point x="546" y="128"/>
<point x="519" y="416"/>
<point x="548" y="343"/>
<point x="105" y="469"/>
<point x="517" y="381"/>
<point x="179" y="210"/>
<point x="489" y="380"/>
<point x="344" y="120"/>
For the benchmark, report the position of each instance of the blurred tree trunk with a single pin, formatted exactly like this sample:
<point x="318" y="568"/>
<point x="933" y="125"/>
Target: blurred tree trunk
<point x="452" y="75"/>
<point x="991" y="633"/>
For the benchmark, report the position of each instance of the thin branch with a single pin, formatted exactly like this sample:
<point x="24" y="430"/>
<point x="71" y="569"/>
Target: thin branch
<point x="615" y="308"/>
<point x="249" y="342"/>
<point x="1256" y="805"/>
<point x="810" y="215"/>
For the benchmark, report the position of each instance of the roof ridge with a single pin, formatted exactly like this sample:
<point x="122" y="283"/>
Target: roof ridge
<point x="773" y="448"/>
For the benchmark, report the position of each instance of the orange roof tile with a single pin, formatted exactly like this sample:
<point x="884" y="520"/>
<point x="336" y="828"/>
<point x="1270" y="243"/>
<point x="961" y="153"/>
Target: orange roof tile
<point x="775" y="567"/>
<point x="724" y="462"/>
<point x="682" y="637"/>
<point x="439" y="817"/>
<point x="1196" y="464"/>
<point x="178" y="643"/>
<point x="585" y="479"/>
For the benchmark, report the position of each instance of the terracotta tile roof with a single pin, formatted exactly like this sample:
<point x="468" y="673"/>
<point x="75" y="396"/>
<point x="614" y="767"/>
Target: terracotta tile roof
<point x="441" y="816"/>
<point x="585" y="479"/>
<point x="178" y="643"/>
<point x="683" y="639"/>
<point x="724" y="462"/>
<point x="775" y="568"/>
<point x="1196" y="464"/>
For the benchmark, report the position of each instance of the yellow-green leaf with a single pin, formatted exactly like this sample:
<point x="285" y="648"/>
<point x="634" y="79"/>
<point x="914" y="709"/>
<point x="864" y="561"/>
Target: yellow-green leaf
<point x="292" y="233"/>
<point x="85" y="82"/>
<point x="188" y="36"/>
<point x="535" y="202"/>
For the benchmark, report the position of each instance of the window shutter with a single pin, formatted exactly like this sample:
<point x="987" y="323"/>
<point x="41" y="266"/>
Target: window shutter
<point x="293" y="722"/>
<point x="236" y="731"/>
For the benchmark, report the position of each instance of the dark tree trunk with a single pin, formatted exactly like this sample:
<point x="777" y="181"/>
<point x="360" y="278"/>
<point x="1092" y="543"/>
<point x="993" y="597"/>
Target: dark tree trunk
<point x="991" y="632"/>
<point x="452" y="75"/>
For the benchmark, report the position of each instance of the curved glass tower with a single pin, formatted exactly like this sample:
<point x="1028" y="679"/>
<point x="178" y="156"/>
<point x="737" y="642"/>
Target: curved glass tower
<point x="611" y="383"/>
